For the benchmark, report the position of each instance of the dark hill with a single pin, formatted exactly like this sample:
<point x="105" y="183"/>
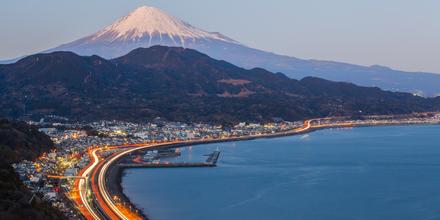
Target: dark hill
<point x="181" y="85"/>
<point x="19" y="141"/>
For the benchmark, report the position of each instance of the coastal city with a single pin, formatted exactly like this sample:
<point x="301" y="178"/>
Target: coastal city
<point x="64" y="176"/>
<point x="213" y="110"/>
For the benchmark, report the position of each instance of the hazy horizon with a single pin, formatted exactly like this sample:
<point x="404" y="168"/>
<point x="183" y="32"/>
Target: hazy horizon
<point x="398" y="34"/>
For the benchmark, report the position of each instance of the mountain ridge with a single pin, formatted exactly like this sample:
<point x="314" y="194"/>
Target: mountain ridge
<point x="181" y="84"/>
<point x="149" y="26"/>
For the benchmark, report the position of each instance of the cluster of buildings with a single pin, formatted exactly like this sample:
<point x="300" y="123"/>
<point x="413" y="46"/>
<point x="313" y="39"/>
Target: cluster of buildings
<point x="73" y="139"/>
<point x="161" y="131"/>
<point x="45" y="176"/>
<point x="414" y="118"/>
<point x="42" y="177"/>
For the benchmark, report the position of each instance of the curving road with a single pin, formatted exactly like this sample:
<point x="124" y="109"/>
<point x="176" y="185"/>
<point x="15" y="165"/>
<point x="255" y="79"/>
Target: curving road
<point x="102" y="184"/>
<point x="83" y="182"/>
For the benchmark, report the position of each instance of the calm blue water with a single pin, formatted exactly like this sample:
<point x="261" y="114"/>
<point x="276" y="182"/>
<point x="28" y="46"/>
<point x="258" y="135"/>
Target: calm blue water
<point x="361" y="173"/>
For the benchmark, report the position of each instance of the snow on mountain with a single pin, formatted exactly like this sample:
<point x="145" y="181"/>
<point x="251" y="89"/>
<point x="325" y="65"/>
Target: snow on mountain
<point x="149" y="21"/>
<point x="144" y="27"/>
<point x="148" y="26"/>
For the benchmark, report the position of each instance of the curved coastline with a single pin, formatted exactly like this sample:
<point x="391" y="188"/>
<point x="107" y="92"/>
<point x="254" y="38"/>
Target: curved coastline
<point x="115" y="173"/>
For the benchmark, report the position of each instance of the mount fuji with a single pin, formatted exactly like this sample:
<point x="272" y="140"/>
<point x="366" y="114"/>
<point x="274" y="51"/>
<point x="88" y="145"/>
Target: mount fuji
<point x="146" y="27"/>
<point x="149" y="26"/>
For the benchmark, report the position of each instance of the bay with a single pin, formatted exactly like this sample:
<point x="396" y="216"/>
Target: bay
<point x="389" y="172"/>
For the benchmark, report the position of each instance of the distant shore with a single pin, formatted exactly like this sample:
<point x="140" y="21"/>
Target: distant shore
<point x="115" y="173"/>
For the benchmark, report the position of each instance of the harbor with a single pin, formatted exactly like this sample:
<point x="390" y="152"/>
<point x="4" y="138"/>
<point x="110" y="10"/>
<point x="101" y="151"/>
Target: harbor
<point x="151" y="159"/>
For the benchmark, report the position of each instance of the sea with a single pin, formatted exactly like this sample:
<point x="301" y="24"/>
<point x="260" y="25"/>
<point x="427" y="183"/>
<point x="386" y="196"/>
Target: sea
<point x="385" y="172"/>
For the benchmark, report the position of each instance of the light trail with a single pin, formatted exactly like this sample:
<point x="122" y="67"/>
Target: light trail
<point x="82" y="184"/>
<point x="64" y="177"/>
<point x="102" y="185"/>
<point x="308" y="125"/>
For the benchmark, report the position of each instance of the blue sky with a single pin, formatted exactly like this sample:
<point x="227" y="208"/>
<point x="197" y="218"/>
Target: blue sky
<point x="403" y="34"/>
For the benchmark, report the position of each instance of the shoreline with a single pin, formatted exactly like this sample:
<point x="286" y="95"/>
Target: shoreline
<point x="115" y="173"/>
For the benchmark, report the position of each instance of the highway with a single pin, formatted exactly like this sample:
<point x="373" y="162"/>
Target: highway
<point x="102" y="184"/>
<point x="307" y="126"/>
<point x="83" y="188"/>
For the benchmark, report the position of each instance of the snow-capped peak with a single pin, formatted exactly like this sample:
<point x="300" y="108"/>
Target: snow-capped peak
<point x="148" y="21"/>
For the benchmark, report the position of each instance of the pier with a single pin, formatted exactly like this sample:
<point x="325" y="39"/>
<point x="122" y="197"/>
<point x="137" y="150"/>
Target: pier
<point x="213" y="157"/>
<point x="210" y="162"/>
